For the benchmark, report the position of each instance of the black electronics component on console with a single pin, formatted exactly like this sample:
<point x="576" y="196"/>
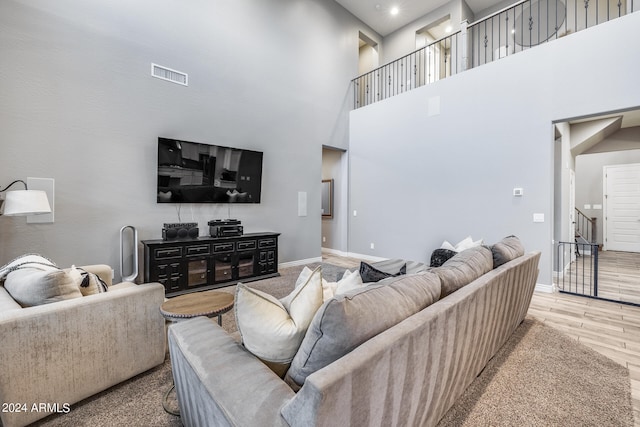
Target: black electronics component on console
<point x="225" y="228"/>
<point x="180" y="230"/>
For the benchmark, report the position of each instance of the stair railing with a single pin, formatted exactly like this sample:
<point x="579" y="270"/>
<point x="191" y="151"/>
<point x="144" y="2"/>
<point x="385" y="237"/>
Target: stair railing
<point x="586" y="227"/>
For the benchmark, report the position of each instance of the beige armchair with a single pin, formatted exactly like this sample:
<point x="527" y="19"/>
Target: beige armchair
<point x="54" y="355"/>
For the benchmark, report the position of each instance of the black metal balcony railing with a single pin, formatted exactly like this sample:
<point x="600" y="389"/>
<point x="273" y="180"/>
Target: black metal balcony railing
<point x="433" y="62"/>
<point x="521" y="26"/>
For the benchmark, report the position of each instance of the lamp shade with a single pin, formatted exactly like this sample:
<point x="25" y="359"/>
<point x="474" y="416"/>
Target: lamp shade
<point x="25" y="202"/>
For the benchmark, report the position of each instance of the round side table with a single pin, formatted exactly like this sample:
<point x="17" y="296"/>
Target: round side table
<point x="207" y="303"/>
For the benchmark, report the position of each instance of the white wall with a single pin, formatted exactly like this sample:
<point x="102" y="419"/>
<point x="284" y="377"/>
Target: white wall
<point x="78" y="105"/>
<point x="403" y="41"/>
<point x="417" y="179"/>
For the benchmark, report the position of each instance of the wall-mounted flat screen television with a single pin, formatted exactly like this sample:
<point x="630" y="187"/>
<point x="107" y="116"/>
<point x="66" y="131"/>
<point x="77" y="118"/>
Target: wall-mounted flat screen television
<point x="192" y="172"/>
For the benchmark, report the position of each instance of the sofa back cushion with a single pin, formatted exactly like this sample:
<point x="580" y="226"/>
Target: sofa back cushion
<point x="506" y="250"/>
<point x="348" y="320"/>
<point x="464" y="268"/>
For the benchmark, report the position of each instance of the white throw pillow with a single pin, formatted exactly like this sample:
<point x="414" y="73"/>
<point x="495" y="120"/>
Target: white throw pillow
<point x="466" y="243"/>
<point x="273" y="329"/>
<point x="350" y="281"/>
<point x="88" y="283"/>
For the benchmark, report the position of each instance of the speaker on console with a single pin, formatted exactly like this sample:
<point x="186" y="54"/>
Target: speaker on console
<point x="180" y="230"/>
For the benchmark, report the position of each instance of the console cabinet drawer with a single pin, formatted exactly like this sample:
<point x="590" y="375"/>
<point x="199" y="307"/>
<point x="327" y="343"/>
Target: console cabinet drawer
<point x="198" y="250"/>
<point x="267" y="243"/>
<point x="168" y="253"/>
<point x="223" y="247"/>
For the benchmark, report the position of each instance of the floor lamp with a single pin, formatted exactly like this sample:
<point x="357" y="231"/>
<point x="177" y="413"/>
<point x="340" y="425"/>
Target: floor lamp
<point x="24" y="202"/>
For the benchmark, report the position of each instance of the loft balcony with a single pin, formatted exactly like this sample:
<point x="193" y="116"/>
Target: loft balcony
<point x="519" y="27"/>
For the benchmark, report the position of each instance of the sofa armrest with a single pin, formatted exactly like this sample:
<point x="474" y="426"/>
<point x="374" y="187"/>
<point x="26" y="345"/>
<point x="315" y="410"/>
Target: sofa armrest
<point x="102" y="270"/>
<point x="66" y="351"/>
<point x="219" y="382"/>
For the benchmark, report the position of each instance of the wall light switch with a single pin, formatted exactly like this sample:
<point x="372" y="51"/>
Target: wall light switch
<point x="518" y="192"/>
<point x="538" y="217"/>
<point x="597" y="206"/>
<point x="587" y="206"/>
<point x="355" y="213"/>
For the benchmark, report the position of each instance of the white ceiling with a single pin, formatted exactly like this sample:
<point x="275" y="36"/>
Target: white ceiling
<point x="377" y="15"/>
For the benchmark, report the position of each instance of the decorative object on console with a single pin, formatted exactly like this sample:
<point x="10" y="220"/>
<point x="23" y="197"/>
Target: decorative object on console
<point x="180" y="230"/>
<point x="24" y="202"/>
<point x="225" y="228"/>
<point x="369" y="274"/>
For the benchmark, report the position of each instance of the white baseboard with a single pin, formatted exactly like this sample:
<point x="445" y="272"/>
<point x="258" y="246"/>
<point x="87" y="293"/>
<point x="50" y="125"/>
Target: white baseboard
<point x="337" y="252"/>
<point x="366" y="257"/>
<point x="299" y="262"/>
<point x="334" y="252"/>
<point x="548" y="289"/>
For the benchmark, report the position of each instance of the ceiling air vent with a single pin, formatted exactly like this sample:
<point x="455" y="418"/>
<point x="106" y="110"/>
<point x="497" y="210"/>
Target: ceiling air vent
<point x="170" y="75"/>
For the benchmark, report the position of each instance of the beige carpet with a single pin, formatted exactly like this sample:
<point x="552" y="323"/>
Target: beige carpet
<point x="539" y="378"/>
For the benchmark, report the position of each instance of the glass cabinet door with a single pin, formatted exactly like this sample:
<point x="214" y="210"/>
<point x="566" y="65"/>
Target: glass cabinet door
<point x="222" y="267"/>
<point x="246" y="262"/>
<point x="197" y="273"/>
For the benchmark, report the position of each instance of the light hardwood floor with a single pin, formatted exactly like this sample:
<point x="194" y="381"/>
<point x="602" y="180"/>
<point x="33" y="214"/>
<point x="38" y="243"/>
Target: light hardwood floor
<point x="609" y="328"/>
<point x="618" y="276"/>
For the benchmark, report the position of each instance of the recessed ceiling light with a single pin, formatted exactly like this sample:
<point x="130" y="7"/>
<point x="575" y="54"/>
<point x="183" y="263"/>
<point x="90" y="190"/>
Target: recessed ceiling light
<point x="394" y="10"/>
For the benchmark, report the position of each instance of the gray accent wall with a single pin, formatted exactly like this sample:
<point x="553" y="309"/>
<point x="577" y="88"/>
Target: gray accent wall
<point x="440" y="162"/>
<point x="78" y="104"/>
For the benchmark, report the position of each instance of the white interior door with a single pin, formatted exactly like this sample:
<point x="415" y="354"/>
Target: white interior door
<point x="622" y="207"/>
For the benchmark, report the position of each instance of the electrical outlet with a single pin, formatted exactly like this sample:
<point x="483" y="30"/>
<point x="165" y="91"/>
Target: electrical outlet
<point x="373" y="246"/>
<point x="324" y="239"/>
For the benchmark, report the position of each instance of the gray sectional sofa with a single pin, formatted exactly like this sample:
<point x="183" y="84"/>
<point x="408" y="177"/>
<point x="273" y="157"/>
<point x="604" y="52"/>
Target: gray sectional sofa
<point x="425" y="336"/>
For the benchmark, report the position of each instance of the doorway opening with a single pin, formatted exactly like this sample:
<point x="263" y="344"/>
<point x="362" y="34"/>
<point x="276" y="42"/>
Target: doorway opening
<point x="334" y="226"/>
<point x="597" y="206"/>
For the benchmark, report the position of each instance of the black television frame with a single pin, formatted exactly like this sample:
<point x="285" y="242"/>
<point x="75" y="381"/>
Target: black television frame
<point x="196" y="172"/>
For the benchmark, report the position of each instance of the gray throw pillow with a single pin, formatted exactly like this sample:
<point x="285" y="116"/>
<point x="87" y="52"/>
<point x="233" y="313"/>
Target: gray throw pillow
<point x="506" y="250"/>
<point x="463" y="268"/>
<point x="348" y="320"/>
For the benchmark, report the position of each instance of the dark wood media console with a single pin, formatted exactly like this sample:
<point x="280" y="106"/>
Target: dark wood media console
<point x="190" y="265"/>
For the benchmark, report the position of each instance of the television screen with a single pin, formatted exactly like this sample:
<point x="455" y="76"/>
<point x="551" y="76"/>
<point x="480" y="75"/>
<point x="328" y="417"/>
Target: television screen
<point x="191" y="172"/>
